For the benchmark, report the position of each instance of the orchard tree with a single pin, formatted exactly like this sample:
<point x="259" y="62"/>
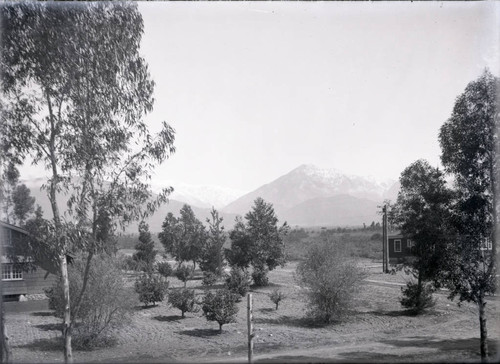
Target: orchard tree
<point x="469" y="144"/>
<point x="422" y="212"/>
<point x="212" y="255"/>
<point x="146" y="252"/>
<point x="183" y="237"/>
<point x="258" y="242"/>
<point x="74" y="93"/>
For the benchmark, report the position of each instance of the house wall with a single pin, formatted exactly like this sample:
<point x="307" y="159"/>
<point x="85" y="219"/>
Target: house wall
<point x="397" y="257"/>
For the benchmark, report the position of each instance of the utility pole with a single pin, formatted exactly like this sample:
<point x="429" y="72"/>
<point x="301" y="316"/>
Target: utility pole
<point x="250" y="327"/>
<point x="383" y="238"/>
<point x="385" y="243"/>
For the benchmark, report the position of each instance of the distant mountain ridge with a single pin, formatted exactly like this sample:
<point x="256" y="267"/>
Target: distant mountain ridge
<point x="309" y="195"/>
<point x="306" y="196"/>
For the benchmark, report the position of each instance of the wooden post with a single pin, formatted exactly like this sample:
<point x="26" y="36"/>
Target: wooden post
<point x="386" y="241"/>
<point x="250" y="327"/>
<point x="383" y="241"/>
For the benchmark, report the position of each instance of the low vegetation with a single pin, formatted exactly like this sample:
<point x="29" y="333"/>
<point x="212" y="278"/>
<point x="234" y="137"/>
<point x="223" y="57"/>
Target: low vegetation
<point x="330" y="279"/>
<point x="238" y="282"/>
<point x="105" y="305"/>
<point x="184" y="300"/>
<point x="151" y="288"/>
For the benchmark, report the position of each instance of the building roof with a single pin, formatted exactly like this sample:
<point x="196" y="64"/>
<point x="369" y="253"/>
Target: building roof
<point x="13" y="227"/>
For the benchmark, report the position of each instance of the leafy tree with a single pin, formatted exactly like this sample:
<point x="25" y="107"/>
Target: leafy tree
<point x="183" y="237"/>
<point x="469" y="144"/>
<point x="74" y="91"/>
<point x="238" y="282"/>
<point x="165" y="269"/>
<point x="331" y="279"/>
<point x="23" y="202"/>
<point x="259" y="242"/>
<point x="220" y="307"/>
<point x="146" y="253"/>
<point x="183" y="273"/>
<point x="183" y="299"/>
<point x="417" y="297"/>
<point x="9" y="179"/>
<point x="212" y="256"/>
<point x="151" y="288"/>
<point x="422" y="211"/>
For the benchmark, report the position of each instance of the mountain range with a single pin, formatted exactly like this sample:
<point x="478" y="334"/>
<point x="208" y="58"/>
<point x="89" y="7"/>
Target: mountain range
<point x="306" y="196"/>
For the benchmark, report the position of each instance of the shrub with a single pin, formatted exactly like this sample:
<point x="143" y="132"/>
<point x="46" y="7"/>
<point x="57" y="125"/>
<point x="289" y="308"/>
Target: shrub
<point x="260" y="278"/>
<point x="331" y="280"/>
<point x="238" y="282"/>
<point x="183" y="273"/>
<point x="183" y="299"/>
<point x="151" y="288"/>
<point x="209" y="278"/>
<point x="104" y="306"/>
<point x="165" y="269"/>
<point x="276" y="297"/>
<point x="417" y="299"/>
<point x="128" y="263"/>
<point x="220" y="306"/>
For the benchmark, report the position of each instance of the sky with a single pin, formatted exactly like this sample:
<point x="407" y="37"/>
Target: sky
<point x="254" y="90"/>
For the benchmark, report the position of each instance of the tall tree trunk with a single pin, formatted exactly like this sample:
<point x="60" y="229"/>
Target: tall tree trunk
<point x="63" y="264"/>
<point x="482" y="327"/>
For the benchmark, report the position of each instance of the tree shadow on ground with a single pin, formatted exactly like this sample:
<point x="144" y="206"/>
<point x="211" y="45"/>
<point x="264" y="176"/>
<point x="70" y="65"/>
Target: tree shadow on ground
<point x="470" y="344"/>
<point x="291" y="321"/>
<point x="294" y="359"/>
<point x="163" y="318"/>
<point x="372" y="357"/>
<point x="50" y="327"/>
<point x="53" y="344"/>
<point x="202" y="287"/>
<point x="394" y="313"/>
<point x="142" y="307"/>
<point x="42" y="314"/>
<point x="201" y="332"/>
<point x="267" y="309"/>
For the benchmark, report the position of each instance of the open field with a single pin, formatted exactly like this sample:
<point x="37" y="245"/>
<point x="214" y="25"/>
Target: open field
<point x="378" y="330"/>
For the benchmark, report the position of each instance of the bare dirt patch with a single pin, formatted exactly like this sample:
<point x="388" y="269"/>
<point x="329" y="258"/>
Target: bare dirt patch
<point x="378" y="330"/>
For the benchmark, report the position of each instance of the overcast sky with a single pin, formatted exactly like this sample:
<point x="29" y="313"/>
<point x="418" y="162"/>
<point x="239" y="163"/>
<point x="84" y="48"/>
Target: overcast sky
<point x="253" y="90"/>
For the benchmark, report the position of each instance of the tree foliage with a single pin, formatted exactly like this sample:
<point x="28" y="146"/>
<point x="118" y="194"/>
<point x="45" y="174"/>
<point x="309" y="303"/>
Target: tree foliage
<point x="146" y="253"/>
<point x="183" y="237"/>
<point x="212" y="255"/>
<point x="220" y="307"/>
<point x="74" y="92"/>
<point x="423" y="213"/>
<point x="469" y="144"/>
<point x="258" y="242"/>
<point x="23" y="202"/>
<point x="151" y="288"/>
<point x="330" y="279"/>
<point x="183" y="299"/>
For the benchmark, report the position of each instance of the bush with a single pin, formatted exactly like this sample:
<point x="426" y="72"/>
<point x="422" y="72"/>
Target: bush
<point x="259" y="276"/>
<point x="183" y="273"/>
<point x="128" y="263"/>
<point x="209" y="278"/>
<point x="183" y="299"/>
<point x="238" y="282"/>
<point x="276" y="297"/>
<point x="151" y="288"/>
<point x="417" y="299"/>
<point x="165" y="269"/>
<point x="104" y="306"/>
<point x="331" y="280"/>
<point x="220" y="306"/>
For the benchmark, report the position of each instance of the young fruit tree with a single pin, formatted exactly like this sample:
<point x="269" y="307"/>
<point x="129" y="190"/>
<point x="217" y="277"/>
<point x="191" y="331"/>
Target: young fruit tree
<point x="422" y="212"/>
<point x="151" y="288"/>
<point x="212" y="255"/>
<point x="145" y="249"/>
<point x="330" y="280"/>
<point x="276" y="297"/>
<point x="183" y="237"/>
<point x="183" y="299"/>
<point x="74" y="93"/>
<point x="220" y="307"/>
<point x="183" y="273"/>
<point x="469" y="145"/>
<point x="259" y="242"/>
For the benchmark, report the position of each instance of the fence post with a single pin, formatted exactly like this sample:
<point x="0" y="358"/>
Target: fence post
<point x="250" y="327"/>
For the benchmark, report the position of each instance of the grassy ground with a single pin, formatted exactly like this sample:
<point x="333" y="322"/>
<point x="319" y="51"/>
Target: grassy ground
<point x="377" y="330"/>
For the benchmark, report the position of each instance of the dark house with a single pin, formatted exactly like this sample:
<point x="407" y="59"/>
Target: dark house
<point x="400" y="249"/>
<point x="18" y="282"/>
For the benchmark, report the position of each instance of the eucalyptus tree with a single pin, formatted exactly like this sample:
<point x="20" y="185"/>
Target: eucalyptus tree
<point x="469" y="144"/>
<point x="74" y="94"/>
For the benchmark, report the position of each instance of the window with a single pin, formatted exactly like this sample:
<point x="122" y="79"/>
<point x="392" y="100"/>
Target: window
<point x="397" y="246"/>
<point x="410" y="244"/>
<point x="11" y="273"/>
<point x="6" y="236"/>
